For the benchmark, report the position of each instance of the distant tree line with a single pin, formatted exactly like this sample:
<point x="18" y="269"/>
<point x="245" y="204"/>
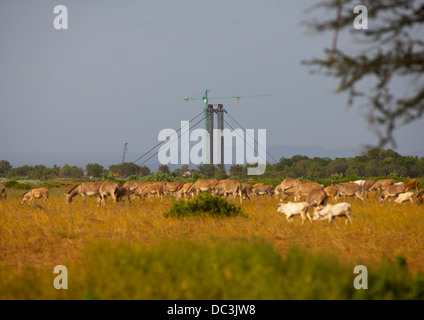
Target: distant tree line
<point x="94" y="170"/>
<point x="375" y="162"/>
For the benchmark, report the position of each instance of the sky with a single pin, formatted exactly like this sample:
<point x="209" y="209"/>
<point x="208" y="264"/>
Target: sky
<point x="120" y="72"/>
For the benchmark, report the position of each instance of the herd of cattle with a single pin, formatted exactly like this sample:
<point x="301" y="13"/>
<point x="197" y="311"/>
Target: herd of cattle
<point x="315" y="194"/>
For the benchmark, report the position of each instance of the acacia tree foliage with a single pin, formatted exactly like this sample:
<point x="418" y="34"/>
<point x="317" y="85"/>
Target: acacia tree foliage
<point x="388" y="54"/>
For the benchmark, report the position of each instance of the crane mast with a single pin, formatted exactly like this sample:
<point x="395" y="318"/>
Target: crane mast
<point x="208" y="112"/>
<point x="125" y="151"/>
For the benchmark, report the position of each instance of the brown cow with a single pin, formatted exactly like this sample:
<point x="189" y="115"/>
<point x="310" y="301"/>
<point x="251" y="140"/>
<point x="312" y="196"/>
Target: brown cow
<point x="123" y="191"/>
<point x="368" y="184"/>
<point x="138" y="191"/>
<point x="349" y="189"/>
<point x="410" y="184"/>
<point x="183" y="191"/>
<point x="203" y="185"/>
<point x="390" y="191"/>
<point x="263" y="189"/>
<point x="285" y="184"/>
<point x="132" y="185"/>
<point x="246" y="190"/>
<point x="2" y="191"/>
<point x="172" y="187"/>
<point x="302" y="190"/>
<point x="317" y="197"/>
<point x="332" y="192"/>
<point x="108" y="188"/>
<point x="382" y="184"/>
<point x="226" y="187"/>
<point x="420" y="197"/>
<point x="35" y="194"/>
<point x="89" y="189"/>
<point x="153" y="188"/>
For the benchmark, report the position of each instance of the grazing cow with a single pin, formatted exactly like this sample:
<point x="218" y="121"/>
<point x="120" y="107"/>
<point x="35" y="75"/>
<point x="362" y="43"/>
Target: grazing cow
<point x="317" y="198"/>
<point x="36" y="194"/>
<point x="246" y="190"/>
<point x="108" y="188"/>
<point x="263" y="190"/>
<point x="89" y="189"/>
<point x="172" y="187"/>
<point x="2" y="191"/>
<point x="203" y="185"/>
<point x="226" y="187"/>
<point x="382" y="184"/>
<point x="132" y="185"/>
<point x="420" y="197"/>
<point x="285" y="184"/>
<point x="141" y="187"/>
<point x="410" y="184"/>
<point x="302" y="190"/>
<point x="402" y="197"/>
<point x="390" y="191"/>
<point x="153" y="188"/>
<point x="183" y="191"/>
<point x="291" y="209"/>
<point x="331" y="211"/>
<point x="122" y="192"/>
<point x="368" y="184"/>
<point x="349" y="189"/>
<point x="332" y="192"/>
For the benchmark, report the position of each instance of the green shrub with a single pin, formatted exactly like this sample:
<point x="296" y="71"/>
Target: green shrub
<point x="16" y="185"/>
<point x="158" y="176"/>
<point x="204" y="204"/>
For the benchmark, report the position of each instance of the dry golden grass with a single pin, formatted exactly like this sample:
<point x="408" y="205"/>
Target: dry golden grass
<point x="44" y="235"/>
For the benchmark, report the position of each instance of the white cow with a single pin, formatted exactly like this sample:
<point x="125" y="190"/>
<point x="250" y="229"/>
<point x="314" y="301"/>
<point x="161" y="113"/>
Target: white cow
<point x="291" y="209"/>
<point x="402" y="197"/>
<point x="330" y="212"/>
<point x="359" y="182"/>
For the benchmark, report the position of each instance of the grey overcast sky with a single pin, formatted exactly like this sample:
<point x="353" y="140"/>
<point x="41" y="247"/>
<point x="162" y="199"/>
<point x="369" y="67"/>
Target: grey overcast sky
<point x="120" y="73"/>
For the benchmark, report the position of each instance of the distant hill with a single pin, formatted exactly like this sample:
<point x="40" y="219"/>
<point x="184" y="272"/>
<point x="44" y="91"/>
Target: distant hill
<point x="418" y="154"/>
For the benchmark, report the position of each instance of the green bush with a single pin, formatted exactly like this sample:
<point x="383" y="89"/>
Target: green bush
<point x="16" y="185"/>
<point x="158" y="176"/>
<point x="204" y="204"/>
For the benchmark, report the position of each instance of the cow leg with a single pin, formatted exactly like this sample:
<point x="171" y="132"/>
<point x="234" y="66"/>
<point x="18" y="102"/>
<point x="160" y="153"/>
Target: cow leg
<point x="348" y="220"/>
<point x="309" y="216"/>
<point x="302" y="215"/>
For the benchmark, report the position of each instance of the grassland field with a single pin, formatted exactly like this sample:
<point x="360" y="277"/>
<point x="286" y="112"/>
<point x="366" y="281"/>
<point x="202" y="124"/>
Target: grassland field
<point x="132" y="251"/>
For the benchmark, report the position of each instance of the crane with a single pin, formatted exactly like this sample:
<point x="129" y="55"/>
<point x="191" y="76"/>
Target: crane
<point x="123" y="154"/>
<point x="208" y="116"/>
<point x="205" y="98"/>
